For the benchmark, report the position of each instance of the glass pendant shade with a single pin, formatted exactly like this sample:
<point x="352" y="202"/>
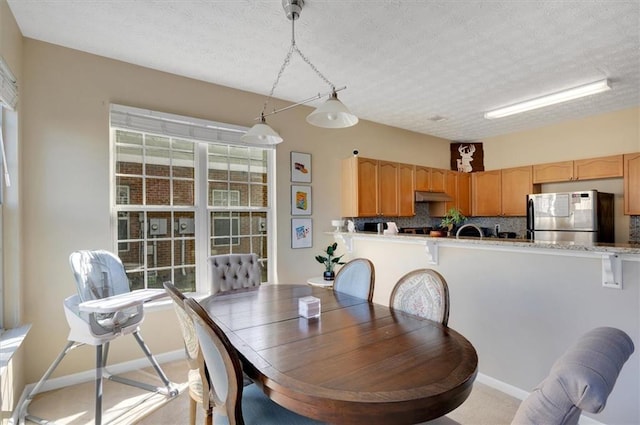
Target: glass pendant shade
<point x="332" y="114"/>
<point x="262" y="134"/>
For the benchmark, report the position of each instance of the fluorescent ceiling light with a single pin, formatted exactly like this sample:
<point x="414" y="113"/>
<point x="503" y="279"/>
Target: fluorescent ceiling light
<point x="551" y="99"/>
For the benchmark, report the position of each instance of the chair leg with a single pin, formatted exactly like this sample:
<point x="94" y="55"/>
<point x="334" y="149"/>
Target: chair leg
<point x="168" y="390"/>
<point x="24" y="406"/>
<point x="99" y="372"/>
<point x="193" y="405"/>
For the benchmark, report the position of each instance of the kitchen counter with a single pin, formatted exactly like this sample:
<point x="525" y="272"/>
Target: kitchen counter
<point x="500" y="243"/>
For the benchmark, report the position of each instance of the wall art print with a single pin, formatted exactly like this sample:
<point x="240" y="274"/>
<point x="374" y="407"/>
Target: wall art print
<point x="300" y="167"/>
<point x="300" y="200"/>
<point x="467" y="157"/>
<point x="301" y="233"/>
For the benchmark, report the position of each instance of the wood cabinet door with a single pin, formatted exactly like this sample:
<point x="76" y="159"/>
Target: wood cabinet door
<point x="632" y="184"/>
<point x="463" y="196"/>
<point x="486" y="191"/>
<point x="517" y="183"/>
<point x="438" y="177"/>
<point x="553" y="172"/>
<point x="598" y="168"/>
<point x="423" y="178"/>
<point x="367" y="187"/>
<point x="388" y="188"/>
<point x="406" y="196"/>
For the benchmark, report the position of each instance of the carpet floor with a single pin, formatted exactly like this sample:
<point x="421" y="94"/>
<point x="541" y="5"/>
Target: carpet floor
<point x="126" y="405"/>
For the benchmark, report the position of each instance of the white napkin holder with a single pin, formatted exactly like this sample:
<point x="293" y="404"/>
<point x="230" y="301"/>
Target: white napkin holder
<point x="392" y="228"/>
<point x="309" y="307"/>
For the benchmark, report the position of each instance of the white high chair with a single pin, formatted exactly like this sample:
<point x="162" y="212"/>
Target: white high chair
<point x="103" y="309"/>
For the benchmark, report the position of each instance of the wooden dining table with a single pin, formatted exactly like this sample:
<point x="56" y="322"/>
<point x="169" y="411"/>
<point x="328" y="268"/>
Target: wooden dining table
<point x="358" y="363"/>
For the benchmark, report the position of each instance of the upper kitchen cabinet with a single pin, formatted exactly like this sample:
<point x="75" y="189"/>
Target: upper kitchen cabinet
<point x="632" y="184"/>
<point x="376" y="188"/>
<point x="502" y="192"/>
<point x="406" y="190"/>
<point x="430" y="179"/>
<point x="388" y="188"/>
<point x="553" y="172"/>
<point x="582" y="169"/>
<point x="463" y="194"/>
<point x="486" y="190"/>
<point x="457" y="186"/>
<point x="517" y="183"/>
<point x="359" y="187"/>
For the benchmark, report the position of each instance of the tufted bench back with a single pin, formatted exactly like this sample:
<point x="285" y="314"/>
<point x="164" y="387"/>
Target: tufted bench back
<point x="234" y="272"/>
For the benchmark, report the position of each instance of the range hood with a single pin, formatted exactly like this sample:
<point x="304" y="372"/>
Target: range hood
<point x="432" y="196"/>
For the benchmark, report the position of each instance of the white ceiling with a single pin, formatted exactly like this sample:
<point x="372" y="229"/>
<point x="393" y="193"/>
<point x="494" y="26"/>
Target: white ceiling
<point x="403" y="62"/>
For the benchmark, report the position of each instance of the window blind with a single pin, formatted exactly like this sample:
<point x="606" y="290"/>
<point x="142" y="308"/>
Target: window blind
<point x="137" y="119"/>
<point x="8" y="86"/>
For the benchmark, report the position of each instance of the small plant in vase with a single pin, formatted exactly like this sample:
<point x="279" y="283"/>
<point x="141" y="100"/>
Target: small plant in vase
<point x="453" y="218"/>
<point x="329" y="261"/>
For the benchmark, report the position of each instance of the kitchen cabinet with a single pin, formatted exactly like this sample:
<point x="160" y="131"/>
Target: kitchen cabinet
<point x="502" y="192"/>
<point x="463" y="194"/>
<point x="632" y="183"/>
<point x="406" y="189"/>
<point x="458" y="186"/>
<point x="517" y="183"/>
<point x="598" y="168"/>
<point x="581" y="169"/>
<point x="553" y="172"/>
<point x="430" y="179"/>
<point x="387" y="188"/>
<point x="372" y="187"/>
<point x="486" y="190"/>
<point x="423" y="178"/>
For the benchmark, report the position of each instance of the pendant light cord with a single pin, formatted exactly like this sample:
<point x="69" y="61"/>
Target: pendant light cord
<point x="285" y="63"/>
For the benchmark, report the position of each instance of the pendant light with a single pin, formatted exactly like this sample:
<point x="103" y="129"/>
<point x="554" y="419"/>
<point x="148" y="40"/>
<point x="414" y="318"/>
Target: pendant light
<point x="331" y="114"/>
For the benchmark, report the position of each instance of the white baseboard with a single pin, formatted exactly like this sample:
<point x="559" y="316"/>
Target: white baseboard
<point x="90" y="375"/>
<point x="521" y="394"/>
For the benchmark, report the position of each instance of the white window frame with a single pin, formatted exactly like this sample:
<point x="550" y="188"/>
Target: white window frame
<point x="201" y="132"/>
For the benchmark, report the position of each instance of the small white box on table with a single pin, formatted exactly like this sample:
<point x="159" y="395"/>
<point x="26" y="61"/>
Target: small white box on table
<point x="309" y="307"/>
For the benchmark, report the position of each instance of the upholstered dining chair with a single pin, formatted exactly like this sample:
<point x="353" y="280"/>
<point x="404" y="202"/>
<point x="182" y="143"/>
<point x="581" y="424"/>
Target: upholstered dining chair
<point x="424" y="293"/>
<point x="356" y="278"/>
<point x="234" y="272"/>
<point x="581" y="379"/>
<point x="235" y="403"/>
<point x="192" y="349"/>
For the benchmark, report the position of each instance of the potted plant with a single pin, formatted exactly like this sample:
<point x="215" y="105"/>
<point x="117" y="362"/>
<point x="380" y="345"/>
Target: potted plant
<point x="453" y="218"/>
<point x="329" y="261"/>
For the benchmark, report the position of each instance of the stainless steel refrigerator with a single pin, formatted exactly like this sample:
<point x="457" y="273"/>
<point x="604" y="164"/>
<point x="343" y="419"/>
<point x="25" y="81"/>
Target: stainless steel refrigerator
<point x="584" y="217"/>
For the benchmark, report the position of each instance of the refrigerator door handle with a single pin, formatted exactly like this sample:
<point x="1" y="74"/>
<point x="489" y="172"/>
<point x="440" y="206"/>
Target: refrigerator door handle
<point x="530" y="219"/>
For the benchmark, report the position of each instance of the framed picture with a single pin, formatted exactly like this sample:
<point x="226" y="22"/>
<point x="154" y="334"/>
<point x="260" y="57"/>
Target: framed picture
<point x="301" y="233"/>
<point x="300" y="200"/>
<point x="300" y="167"/>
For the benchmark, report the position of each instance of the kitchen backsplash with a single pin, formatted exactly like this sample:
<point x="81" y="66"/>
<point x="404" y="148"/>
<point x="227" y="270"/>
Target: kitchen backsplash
<point x="518" y="225"/>
<point x="422" y="218"/>
<point x="634" y="229"/>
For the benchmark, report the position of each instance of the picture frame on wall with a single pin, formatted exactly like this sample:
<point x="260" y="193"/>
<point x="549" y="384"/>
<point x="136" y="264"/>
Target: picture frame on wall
<point x="301" y="233"/>
<point x="300" y="167"/>
<point x="300" y="200"/>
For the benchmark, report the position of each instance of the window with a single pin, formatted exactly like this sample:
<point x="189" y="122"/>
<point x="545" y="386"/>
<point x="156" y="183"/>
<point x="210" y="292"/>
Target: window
<point x="185" y="189"/>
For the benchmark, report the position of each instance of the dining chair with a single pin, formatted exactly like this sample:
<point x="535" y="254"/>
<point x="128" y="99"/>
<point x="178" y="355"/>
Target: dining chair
<point x="356" y="278"/>
<point x="581" y="379"/>
<point x="192" y="348"/>
<point x="234" y="272"/>
<point x="424" y="293"/>
<point x="235" y="404"/>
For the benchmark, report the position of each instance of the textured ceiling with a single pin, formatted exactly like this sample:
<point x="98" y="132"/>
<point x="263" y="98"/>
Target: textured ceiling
<point x="403" y="62"/>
